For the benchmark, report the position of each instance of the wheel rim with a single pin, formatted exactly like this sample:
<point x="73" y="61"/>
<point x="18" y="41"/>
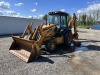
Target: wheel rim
<point x="69" y="38"/>
<point x="52" y="46"/>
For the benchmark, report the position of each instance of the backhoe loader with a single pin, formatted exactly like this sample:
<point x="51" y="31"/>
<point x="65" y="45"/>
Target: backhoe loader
<point x="47" y="36"/>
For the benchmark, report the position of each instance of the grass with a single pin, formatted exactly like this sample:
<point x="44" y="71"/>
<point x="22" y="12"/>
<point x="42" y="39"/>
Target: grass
<point x="84" y="26"/>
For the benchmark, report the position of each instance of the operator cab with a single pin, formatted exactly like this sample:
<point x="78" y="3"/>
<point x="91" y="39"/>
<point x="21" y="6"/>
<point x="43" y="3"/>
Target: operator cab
<point x="58" y="18"/>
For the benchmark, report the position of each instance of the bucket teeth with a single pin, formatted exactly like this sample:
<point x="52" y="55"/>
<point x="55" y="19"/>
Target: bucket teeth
<point x="22" y="54"/>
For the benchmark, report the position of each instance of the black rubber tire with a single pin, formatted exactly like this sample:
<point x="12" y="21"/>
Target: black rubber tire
<point x="66" y="41"/>
<point x="48" y="45"/>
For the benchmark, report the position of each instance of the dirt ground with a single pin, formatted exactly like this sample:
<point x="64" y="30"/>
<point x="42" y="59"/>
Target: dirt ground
<point x="84" y="61"/>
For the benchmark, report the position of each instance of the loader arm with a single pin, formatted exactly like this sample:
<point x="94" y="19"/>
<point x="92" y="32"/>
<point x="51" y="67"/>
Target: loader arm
<point x="29" y="27"/>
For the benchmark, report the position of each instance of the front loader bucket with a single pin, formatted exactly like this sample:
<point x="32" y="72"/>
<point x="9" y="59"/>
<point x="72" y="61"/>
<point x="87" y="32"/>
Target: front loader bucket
<point x="26" y="50"/>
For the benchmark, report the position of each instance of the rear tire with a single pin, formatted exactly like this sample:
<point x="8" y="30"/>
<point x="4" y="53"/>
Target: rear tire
<point x="50" y="45"/>
<point x="68" y="38"/>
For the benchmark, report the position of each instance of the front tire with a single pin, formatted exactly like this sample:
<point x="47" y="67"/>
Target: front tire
<point x="50" y="45"/>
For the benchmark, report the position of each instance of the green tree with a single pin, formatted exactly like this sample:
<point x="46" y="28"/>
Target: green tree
<point x="79" y="19"/>
<point x="90" y="20"/>
<point x="44" y="17"/>
<point x="84" y="19"/>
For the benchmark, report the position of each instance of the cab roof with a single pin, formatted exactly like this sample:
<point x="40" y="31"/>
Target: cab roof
<point x="58" y="13"/>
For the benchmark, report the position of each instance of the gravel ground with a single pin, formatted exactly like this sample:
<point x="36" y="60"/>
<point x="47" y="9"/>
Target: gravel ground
<point x="84" y="61"/>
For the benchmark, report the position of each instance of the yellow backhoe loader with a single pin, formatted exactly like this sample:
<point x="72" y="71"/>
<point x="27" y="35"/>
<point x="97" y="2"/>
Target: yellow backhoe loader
<point x="47" y="36"/>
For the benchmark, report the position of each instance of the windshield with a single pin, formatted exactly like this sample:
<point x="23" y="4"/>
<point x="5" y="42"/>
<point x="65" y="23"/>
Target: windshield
<point x="58" y="20"/>
<point x="54" y="19"/>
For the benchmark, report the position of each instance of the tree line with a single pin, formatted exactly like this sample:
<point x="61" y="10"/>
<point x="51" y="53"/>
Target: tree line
<point x="90" y="18"/>
<point x="86" y="19"/>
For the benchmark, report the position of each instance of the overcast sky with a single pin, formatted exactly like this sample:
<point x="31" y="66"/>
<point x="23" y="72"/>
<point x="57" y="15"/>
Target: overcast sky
<point x="37" y="8"/>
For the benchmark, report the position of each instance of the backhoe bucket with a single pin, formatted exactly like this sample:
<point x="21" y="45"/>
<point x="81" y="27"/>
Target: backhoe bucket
<point x="26" y="50"/>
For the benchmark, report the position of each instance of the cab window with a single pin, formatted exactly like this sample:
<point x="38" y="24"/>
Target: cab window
<point x="63" y="21"/>
<point x="54" y="19"/>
